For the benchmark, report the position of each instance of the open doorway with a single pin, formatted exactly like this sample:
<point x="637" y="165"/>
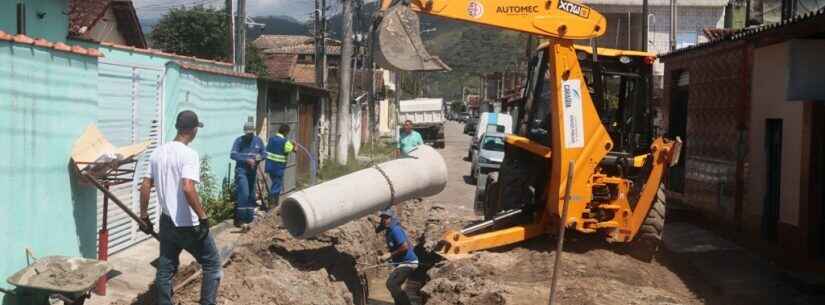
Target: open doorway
<point x="816" y="202"/>
<point x="773" y="179"/>
<point x="677" y="127"/>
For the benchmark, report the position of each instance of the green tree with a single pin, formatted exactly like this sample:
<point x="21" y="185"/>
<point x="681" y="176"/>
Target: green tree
<point x="196" y="31"/>
<point x="254" y="62"/>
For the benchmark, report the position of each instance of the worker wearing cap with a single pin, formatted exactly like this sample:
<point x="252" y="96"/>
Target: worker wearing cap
<point x="247" y="151"/>
<point x="408" y="140"/>
<point x="277" y="153"/>
<point x="174" y="171"/>
<point x="400" y="254"/>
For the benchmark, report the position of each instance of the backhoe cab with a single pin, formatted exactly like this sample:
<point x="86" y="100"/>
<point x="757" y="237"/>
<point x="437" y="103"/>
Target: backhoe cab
<point x="617" y="164"/>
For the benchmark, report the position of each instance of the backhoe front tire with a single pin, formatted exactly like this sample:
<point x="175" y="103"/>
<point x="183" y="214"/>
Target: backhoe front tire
<point x="649" y="238"/>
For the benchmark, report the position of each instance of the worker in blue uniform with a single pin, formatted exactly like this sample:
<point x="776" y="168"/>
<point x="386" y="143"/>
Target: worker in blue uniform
<point x="401" y="255"/>
<point x="277" y="153"/>
<point x="247" y="151"/>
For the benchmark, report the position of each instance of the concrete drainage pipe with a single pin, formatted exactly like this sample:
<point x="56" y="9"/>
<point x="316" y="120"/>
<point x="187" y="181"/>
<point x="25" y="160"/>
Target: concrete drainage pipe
<point x="311" y="211"/>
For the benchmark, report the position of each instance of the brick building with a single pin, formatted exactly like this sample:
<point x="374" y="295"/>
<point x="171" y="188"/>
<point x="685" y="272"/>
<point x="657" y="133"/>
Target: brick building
<point x="749" y="106"/>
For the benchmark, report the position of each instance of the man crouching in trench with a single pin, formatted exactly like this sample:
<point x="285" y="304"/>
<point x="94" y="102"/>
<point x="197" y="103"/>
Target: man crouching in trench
<point x="401" y="255"/>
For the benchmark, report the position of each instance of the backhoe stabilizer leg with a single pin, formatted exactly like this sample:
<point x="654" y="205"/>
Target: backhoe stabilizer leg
<point x="662" y="153"/>
<point x="453" y="244"/>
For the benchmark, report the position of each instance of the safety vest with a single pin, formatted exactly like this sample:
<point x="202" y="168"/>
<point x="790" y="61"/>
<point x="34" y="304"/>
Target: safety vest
<point x="277" y="151"/>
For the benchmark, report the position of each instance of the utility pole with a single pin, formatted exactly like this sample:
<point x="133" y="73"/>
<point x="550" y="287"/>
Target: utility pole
<point x="231" y="22"/>
<point x="324" y="70"/>
<point x="373" y="122"/>
<point x="645" y="13"/>
<point x="240" y="27"/>
<point x="319" y="38"/>
<point x="674" y="12"/>
<point x="346" y="85"/>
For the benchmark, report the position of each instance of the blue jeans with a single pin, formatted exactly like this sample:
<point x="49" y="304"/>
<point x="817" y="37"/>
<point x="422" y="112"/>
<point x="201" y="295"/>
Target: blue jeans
<point x="395" y="284"/>
<point x="245" y="196"/>
<point x="277" y="184"/>
<point x="172" y="241"/>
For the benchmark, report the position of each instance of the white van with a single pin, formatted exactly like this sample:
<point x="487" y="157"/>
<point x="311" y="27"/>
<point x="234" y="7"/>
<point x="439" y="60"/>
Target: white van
<point x="493" y="118"/>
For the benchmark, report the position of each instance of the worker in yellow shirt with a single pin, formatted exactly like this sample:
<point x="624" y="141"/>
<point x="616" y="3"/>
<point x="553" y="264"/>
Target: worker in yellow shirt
<point x="277" y="154"/>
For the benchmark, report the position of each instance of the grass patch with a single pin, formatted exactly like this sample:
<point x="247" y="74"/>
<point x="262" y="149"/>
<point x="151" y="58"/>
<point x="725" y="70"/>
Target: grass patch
<point x="332" y="169"/>
<point x="378" y="148"/>
<point x="217" y="199"/>
<point x="379" y="151"/>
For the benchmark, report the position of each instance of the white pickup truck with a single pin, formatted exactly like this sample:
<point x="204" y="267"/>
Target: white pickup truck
<point x="428" y="117"/>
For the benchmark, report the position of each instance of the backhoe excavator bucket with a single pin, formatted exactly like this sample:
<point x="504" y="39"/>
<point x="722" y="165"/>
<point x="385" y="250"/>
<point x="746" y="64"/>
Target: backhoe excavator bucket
<point x="399" y="45"/>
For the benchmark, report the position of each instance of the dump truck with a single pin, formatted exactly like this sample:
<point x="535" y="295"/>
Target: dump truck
<point x="427" y="116"/>
<point x="616" y="164"/>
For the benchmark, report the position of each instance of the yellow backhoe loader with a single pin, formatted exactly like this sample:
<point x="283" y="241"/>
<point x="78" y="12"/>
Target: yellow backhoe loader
<point x="616" y="189"/>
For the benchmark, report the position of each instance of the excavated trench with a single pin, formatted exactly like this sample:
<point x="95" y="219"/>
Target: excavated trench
<point x="270" y="267"/>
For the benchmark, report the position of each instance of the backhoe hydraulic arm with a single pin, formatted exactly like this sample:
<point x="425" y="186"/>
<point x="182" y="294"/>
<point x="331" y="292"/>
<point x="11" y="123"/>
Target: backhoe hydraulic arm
<point x="550" y="18"/>
<point x="398" y="37"/>
<point x="602" y="198"/>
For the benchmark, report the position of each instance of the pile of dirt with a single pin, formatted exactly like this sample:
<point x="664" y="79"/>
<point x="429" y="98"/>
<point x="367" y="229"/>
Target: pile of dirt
<point x="522" y="275"/>
<point x="463" y="282"/>
<point x="271" y="267"/>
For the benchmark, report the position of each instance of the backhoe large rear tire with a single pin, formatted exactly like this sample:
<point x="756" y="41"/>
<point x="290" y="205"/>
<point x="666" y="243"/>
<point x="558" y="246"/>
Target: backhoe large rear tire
<point x="491" y="205"/>
<point x="649" y="238"/>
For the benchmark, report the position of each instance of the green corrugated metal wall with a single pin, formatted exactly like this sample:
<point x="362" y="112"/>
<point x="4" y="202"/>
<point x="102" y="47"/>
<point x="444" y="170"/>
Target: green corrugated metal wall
<point x="51" y="27"/>
<point x="222" y="102"/>
<point x="47" y="98"/>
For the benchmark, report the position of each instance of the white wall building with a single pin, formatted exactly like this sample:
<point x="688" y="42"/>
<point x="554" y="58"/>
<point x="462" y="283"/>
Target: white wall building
<point x="624" y="24"/>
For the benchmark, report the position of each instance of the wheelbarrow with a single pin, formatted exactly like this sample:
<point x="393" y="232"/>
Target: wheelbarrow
<point x="69" y="279"/>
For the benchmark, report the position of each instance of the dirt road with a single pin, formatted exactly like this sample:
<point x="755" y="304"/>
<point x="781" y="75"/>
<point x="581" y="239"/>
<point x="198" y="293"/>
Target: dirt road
<point x="270" y="267"/>
<point x="458" y="194"/>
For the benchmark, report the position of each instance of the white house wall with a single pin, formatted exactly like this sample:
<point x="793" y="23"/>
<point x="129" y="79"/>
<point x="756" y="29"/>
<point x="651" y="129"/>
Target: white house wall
<point x="691" y="19"/>
<point x="768" y="102"/>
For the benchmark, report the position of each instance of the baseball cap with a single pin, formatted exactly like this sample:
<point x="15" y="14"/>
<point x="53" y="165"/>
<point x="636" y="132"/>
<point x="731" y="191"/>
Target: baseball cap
<point x="249" y="126"/>
<point x="187" y="119"/>
<point x="388" y="212"/>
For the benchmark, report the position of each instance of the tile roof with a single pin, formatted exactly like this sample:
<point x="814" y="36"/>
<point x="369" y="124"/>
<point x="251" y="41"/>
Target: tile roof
<point x="754" y="32"/>
<point x="162" y="53"/>
<point x="40" y="42"/>
<point x="311" y="87"/>
<point x="279" y="66"/>
<point x="194" y="67"/>
<point x="128" y="23"/>
<point x="717" y="34"/>
<point x="293" y="44"/>
<point x="83" y="14"/>
<point x="304" y="73"/>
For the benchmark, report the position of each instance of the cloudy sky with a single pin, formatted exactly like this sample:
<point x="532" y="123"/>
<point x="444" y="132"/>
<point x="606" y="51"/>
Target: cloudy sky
<point x="298" y="9"/>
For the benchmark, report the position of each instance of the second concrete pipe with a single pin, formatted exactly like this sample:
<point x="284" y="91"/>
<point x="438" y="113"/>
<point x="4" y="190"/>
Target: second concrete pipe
<point x="311" y="211"/>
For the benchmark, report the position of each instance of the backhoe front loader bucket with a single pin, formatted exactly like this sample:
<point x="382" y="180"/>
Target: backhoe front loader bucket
<point x="399" y="45"/>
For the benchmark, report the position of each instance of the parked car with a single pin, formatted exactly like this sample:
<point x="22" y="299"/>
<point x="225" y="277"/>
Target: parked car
<point x="470" y="126"/>
<point x="462" y="117"/>
<point x="490" y="153"/>
<point x="489" y="122"/>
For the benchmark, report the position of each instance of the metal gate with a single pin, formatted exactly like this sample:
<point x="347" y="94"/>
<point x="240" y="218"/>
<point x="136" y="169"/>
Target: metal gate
<point x="283" y="109"/>
<point x="130" y="111"/>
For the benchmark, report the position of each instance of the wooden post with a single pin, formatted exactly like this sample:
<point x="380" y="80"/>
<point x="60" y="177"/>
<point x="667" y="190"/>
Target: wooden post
<point x="562" y="226"/>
